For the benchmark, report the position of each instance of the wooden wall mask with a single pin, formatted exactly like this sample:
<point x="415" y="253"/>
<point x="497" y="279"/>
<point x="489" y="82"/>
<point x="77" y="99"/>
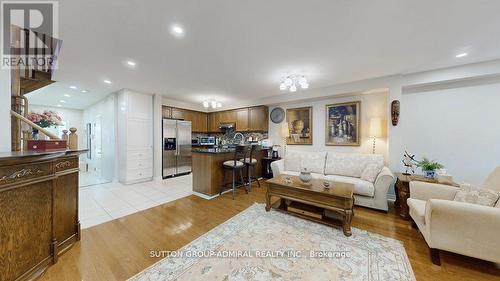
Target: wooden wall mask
<point x="395" y="110"/>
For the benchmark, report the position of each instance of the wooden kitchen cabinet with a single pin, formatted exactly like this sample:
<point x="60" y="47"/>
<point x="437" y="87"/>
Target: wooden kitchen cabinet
<point x="213" y="122"/>
<point x="198" y="119"/>
<point x="166" y="112"/>
<point x="241" y="119"/>
<point x="258" y="120"/>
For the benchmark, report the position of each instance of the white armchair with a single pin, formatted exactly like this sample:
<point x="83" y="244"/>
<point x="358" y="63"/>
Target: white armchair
<point x="458" y="227"/>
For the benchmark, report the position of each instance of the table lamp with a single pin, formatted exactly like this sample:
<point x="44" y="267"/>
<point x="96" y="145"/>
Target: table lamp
<point x="285" y="134"/>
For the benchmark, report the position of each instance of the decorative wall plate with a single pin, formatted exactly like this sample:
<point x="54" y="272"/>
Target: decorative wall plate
<point x="277" y="115"/>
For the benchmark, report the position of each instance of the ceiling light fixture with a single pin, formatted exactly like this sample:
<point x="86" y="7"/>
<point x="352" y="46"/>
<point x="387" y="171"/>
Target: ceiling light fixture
<point x="177" y="30"/>
<point x="131" y="63"/>
<point x="59" y="105"/>
<point x="461" y="55"/>
<point x="62" y="101"/>
<point x="84" y="91"/>
<point x="292" y="83"/>
<point x="212" y="103"/>
<point x="66" y="95"/>
<point x="73" y="87"/>
<point x="108" y="82"/>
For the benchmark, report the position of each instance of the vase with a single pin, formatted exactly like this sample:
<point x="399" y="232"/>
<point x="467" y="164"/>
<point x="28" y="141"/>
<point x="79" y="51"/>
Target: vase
<point x="305" y="176"/>
<point x="35" y="135"/>
<point x="430" y="174"/>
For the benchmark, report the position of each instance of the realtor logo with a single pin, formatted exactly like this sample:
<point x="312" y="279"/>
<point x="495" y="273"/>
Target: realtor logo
<point x="29" y="32"/>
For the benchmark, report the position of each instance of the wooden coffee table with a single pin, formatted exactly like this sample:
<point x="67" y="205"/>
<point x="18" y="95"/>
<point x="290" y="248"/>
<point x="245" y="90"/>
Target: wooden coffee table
<point x="311" y="201"/>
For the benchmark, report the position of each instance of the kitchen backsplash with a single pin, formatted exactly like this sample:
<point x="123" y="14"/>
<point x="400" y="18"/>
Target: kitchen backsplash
<point x="228" y="136"/>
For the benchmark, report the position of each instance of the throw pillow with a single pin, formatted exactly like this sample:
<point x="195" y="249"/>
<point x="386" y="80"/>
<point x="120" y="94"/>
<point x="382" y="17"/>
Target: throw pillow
<point x="371" y="172"/>
<point x="469" y="193"/>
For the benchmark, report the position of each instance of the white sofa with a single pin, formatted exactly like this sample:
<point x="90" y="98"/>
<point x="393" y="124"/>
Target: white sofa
<point x="366" y="171"/>
<point x="463" y="228"/>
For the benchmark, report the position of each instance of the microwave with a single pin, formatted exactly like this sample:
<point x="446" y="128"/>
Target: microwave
<point x="207" y="140"/>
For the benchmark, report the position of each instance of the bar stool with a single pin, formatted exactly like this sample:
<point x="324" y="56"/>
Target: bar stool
<point x="250" y="164"/>
<point x="235" y="165"/>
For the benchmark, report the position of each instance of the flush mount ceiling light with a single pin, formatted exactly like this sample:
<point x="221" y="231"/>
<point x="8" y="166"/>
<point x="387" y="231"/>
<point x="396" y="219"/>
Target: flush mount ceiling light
<point x="107" y="82"/>
<point x="461" y="55"/>
<point x="212" y="103"/>
<point x="84" y="91"/>
<point x="66" y="95"/>
<point x="293" y="82"/>
<point x="131" y="64"/>
<point x="62" y="101"/>
<point x="177" y="30"/>
<point x="73" y="87"/>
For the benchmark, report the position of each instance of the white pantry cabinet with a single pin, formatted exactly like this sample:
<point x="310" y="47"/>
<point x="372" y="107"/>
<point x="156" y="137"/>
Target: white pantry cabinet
<point x="135" y="137"/>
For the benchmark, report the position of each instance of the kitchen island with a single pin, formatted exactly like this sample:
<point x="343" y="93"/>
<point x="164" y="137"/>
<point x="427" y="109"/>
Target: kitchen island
<point x="208" y="172"/>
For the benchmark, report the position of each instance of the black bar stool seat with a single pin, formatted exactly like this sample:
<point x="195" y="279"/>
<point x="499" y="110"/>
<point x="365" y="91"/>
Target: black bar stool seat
<point x="234" y="166"/>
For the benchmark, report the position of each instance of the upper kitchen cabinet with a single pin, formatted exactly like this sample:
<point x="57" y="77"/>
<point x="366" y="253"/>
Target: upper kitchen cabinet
<point x="166" y="112"/>
<point x="198" y="119"/>
<point x="214" y="122"/>
<point x="178" y="113"/>
<point x="241" y="119"/>
<point x="258" y="118"/>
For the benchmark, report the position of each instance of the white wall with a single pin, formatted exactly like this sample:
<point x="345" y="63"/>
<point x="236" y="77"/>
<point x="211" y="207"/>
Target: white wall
<point x="71" y="118"/>
<point x="459" y="127"/>
<point x="5" y="110"/>
<point x="106" y="111"/>
<point x="372" y="105"/>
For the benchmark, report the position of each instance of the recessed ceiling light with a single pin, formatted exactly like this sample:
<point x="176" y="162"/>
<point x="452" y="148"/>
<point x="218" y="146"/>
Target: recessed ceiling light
<point x="73" y="87"/>
<point x="63" y="101"/>
<point x="461" y="55"/>
<point x="177" y="30"/>
<point x="59" y="105"/>
<point x="84" y="91"/>
<point x="131" y="63"/>
<point x="66" y="95"/>
<point x="108" y="82"/>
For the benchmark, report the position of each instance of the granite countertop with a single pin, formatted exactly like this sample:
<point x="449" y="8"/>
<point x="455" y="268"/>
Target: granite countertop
<point x="213" y="150"/>
<point x="22" y="154"/>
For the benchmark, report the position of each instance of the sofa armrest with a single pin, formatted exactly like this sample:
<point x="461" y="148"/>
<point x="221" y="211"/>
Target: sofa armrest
<point x="425" y="191"/>
<point x="464" y="228"/>
<point x="382" y="184"/>
<point x="278" y="167"/>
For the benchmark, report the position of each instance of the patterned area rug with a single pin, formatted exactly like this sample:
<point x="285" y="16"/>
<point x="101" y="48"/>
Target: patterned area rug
<point x="260" y="245"/>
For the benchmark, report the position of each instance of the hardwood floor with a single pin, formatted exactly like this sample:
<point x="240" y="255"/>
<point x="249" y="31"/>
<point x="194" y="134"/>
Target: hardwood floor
<point x="119" y="249"/>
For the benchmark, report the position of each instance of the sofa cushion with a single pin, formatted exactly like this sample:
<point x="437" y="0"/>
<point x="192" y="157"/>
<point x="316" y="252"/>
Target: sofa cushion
<point x="313" y="161"/>
<point x="314" y="175"/>
<point x="361" y="187"/>
<point x="371" y="172"/>
<point x="417" y="209"/>
<point x="298" y="160"/>
<point x="469" y="193"/>
<point x="292" y="161"/>
<point x="350" y="164"/>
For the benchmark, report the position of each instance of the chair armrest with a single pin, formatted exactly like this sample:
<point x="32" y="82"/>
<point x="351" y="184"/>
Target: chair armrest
<point x="464" y="228"/>
<point x="278" y="167"/>
<point x="384" y="180"/>
<point x="425" y="191"/>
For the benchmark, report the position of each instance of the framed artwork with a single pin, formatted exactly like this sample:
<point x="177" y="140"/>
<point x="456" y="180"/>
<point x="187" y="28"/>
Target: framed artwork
<point x="299" y="125"/>
<point x="343" y="123"/>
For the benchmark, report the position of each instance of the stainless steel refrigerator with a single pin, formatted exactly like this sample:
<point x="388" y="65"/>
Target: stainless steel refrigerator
<point x="176" y="147"/>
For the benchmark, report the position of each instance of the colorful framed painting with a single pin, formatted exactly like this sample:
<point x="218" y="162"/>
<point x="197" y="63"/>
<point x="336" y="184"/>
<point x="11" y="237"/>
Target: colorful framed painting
<point x="343" y="123"/>
<point x="300" y="125"/>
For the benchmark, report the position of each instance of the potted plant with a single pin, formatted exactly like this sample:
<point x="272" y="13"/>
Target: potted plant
<point x="429" y="167"/>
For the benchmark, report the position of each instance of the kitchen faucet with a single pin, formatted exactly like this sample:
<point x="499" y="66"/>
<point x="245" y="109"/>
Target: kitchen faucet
<point x="242" y="137"/>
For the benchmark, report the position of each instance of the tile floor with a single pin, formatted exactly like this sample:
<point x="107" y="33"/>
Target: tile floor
<point x="106" y="202"/>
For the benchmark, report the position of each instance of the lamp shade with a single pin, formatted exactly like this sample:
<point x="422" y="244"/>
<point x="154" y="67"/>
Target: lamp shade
<point x="285" y="131"/>
<point x="375" y="127"/>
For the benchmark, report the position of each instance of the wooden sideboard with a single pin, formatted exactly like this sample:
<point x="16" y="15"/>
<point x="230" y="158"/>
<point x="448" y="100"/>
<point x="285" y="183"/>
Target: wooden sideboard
<point x="39" y="211"/>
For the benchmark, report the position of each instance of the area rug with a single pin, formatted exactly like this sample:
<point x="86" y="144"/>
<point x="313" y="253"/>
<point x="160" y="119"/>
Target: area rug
<point x="260" y="245"/>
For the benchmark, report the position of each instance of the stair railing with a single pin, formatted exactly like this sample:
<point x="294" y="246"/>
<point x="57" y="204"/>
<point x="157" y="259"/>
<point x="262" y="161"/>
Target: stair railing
<point x="33" y="125"/>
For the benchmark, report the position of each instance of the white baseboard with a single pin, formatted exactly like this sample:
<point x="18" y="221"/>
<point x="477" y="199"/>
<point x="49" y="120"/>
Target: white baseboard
<point x="204" y="196"/>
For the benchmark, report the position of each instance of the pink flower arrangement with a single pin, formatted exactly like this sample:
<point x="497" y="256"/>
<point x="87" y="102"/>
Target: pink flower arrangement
<point x="46" y="119"/>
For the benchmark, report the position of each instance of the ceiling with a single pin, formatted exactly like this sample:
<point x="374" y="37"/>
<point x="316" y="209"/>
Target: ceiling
<point x="237" y="51"/>
<point x="54" y="94"/>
